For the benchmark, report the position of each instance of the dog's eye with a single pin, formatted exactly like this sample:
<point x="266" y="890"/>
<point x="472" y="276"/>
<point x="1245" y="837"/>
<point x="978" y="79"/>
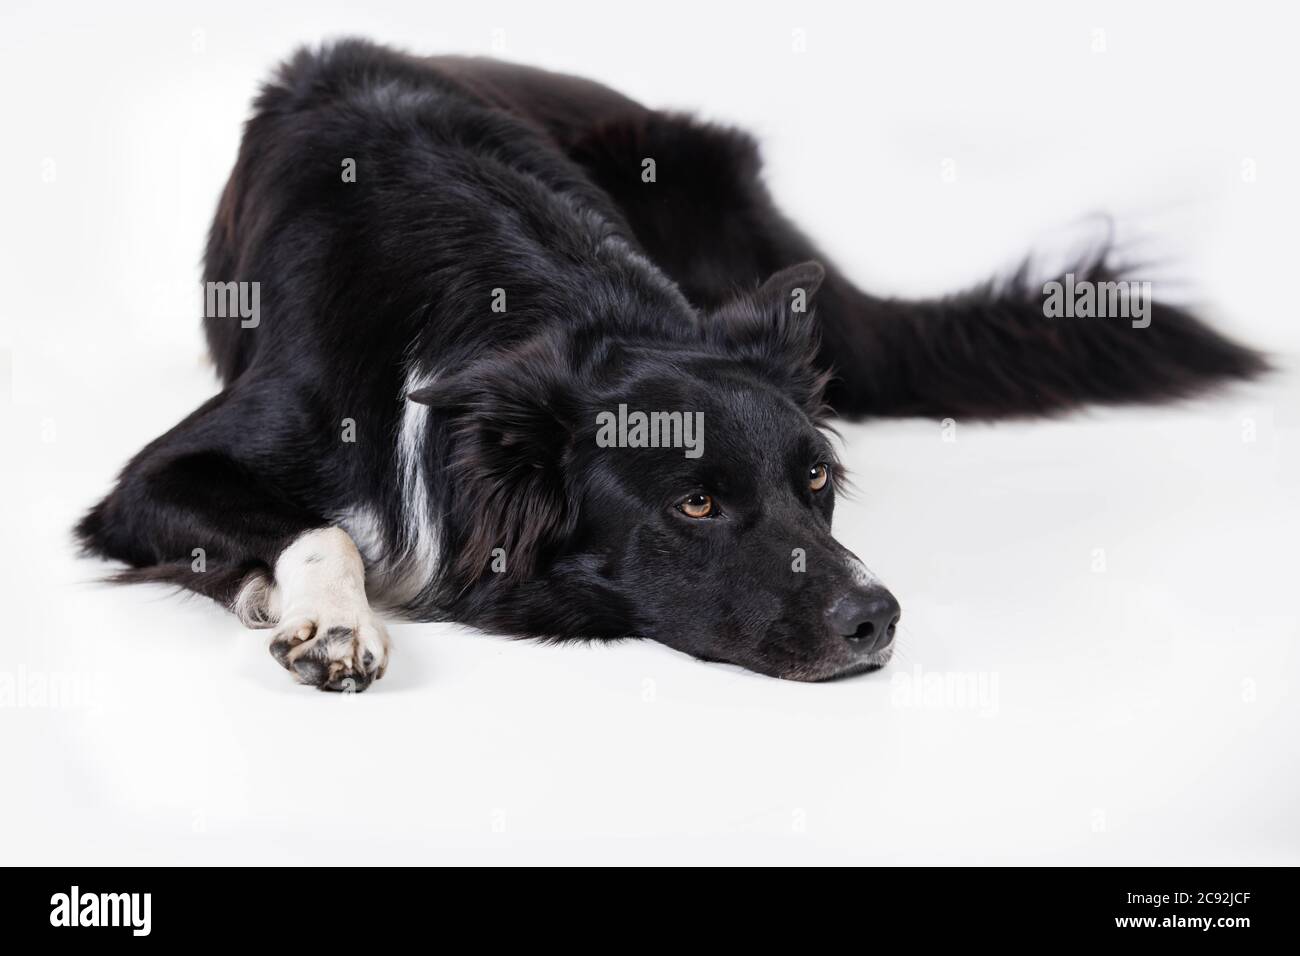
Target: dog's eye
<point x="696" y="506"/>
<point x="818" y="475"/>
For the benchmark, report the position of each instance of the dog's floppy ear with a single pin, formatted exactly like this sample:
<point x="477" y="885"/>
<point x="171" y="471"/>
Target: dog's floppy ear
<point x="793" y="283"/>
<point x="512" y="417"/>
<point x="773" y="330"/>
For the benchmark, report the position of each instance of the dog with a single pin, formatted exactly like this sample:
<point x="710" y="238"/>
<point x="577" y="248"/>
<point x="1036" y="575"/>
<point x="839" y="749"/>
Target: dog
<point x="464" y="274"/>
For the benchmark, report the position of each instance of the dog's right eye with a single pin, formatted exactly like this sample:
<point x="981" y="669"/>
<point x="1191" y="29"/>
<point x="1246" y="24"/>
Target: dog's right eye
<point x="696" y="506"/>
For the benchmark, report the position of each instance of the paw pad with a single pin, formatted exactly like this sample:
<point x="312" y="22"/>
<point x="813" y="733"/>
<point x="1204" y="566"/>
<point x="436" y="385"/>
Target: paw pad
<point x="337" y="657"/>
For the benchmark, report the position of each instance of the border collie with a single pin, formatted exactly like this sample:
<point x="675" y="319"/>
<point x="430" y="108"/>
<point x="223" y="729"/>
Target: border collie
<point x="461" y="269"/>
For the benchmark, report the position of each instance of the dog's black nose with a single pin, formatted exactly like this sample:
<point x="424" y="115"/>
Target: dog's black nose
<point x="866" y="619"/>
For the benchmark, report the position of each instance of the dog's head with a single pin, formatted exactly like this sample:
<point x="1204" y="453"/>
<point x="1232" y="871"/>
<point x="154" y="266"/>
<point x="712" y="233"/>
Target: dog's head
<point x="611" y="487"/>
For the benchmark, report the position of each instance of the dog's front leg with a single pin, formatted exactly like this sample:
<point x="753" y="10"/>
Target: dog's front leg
<point x="326" y="634"/>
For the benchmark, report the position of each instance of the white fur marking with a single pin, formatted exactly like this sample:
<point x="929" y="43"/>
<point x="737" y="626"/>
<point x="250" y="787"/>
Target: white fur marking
<point x="862" y="575"/>
<point x="252" y="604"/>
<point x="321" y="568"/>
<point x="413" y="569"/>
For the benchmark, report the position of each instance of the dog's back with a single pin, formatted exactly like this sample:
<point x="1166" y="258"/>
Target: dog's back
<point x="358" y="159"/>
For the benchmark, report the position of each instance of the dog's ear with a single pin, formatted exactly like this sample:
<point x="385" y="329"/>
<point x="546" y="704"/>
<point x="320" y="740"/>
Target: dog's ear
<point x="512" y="417"/>
<point x="793" y="284"/>
<point x="773" y="330"/>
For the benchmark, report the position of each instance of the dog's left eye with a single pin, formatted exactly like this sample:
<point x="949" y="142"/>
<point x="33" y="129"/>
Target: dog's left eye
<point x="818" y="476"/>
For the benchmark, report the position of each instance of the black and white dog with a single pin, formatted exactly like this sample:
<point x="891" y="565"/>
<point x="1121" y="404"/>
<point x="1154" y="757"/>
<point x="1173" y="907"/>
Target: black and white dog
<point x="463" y="272"/>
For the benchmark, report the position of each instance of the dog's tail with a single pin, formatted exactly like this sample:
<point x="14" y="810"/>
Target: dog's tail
<point x="997" y="351"/>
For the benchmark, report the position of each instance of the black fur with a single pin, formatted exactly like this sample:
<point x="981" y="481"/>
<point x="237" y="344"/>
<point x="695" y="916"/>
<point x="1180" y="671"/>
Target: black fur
<point x="474" y="176"/>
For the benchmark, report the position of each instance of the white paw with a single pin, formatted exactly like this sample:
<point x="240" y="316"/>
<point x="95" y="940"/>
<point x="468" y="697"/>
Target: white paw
<point x="327" y="635"/>
<point x="333" y="653"/>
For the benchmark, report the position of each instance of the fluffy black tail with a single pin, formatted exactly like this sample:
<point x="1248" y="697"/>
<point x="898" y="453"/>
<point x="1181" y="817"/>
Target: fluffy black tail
<point x="994" y="352"/>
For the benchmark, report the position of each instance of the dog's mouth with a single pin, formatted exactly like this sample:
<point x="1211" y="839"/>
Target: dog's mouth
<point x="814" y="673"/>
<point x="818" y="672"/>
<point x="839" y="654"/>
<point x="835" y="671"/>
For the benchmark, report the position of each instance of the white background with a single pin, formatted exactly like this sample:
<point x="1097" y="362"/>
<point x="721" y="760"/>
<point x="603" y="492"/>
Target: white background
<point x="1121" y="582"/>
